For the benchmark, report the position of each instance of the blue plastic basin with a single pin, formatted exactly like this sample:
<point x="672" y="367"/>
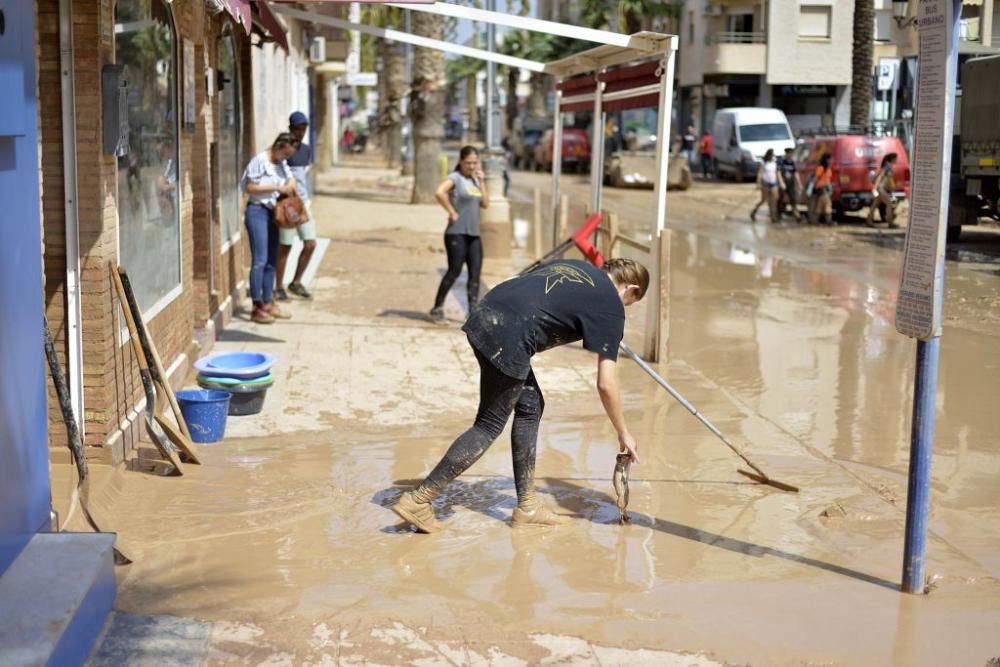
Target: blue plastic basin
<point x="205" y="412"/>
<point x="240" y="365"/>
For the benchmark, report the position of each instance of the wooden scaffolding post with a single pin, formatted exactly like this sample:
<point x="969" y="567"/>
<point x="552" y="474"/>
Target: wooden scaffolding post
<point x="663" y="296"/>
<point x="563" y="216"/>
<point x="613" y="223"/>
<point x="536" y="220"/>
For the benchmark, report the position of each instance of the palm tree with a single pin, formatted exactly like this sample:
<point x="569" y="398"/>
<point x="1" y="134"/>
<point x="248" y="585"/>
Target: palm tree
<point x="861" y="62"/>
<point x="427" y="108"/>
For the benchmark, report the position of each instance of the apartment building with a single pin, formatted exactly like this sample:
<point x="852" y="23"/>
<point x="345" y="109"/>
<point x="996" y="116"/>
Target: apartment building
<point x="789" y="54"/>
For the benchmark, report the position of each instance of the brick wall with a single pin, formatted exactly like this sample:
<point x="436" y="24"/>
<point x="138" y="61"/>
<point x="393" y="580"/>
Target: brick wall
<point x="112" y="389"/>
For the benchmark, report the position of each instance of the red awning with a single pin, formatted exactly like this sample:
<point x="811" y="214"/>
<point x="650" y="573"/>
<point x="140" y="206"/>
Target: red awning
<point x="270" y="24"/>
<point x="238" y="9"/>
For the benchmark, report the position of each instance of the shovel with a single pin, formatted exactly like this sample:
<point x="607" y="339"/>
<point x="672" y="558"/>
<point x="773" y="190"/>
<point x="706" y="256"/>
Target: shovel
<point x="182" y="437"/>
<point x="156" y="434"/>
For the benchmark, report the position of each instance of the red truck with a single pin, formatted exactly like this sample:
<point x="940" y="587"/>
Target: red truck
<point x="855" y="163"/>
<point x="575" y="150"/>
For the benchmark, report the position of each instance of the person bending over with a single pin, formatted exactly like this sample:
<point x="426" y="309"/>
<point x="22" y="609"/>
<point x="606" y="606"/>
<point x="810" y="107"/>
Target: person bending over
<point x="557" y="303"/>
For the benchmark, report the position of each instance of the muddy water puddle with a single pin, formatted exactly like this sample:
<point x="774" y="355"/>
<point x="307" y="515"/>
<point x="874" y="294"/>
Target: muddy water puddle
<point x="290" y="534"/>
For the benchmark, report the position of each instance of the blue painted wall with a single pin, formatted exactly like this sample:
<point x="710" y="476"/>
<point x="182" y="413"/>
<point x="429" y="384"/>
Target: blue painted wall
<point x="24" y="474"/>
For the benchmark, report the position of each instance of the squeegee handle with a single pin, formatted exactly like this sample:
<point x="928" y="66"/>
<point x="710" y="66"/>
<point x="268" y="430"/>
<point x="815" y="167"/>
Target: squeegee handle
<point x="687" y="405"/>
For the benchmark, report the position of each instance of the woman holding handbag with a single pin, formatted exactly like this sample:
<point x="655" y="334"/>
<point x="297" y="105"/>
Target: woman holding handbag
<point x="266" y="177"/>
<point x="462" y="195"/>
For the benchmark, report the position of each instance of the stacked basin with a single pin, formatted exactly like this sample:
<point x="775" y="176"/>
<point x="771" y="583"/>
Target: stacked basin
<point x="245" y="376"/>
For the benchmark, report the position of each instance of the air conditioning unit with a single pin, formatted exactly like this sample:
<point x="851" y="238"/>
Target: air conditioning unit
<point x="712" y="10"/>
<point x="317" y="50"/>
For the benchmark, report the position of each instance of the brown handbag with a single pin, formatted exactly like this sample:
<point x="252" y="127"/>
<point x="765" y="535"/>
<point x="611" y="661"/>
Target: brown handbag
<point x="290" y="211"/>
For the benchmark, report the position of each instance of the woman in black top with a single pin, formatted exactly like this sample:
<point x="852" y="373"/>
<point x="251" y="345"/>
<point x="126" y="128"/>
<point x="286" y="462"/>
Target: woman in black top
<point x="556" y="304"/>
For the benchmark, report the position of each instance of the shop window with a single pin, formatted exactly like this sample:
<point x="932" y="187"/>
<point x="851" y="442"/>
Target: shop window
<point x="148" y="198"/>
<point x="229" y="138"/>
<point x="814" y="21"/>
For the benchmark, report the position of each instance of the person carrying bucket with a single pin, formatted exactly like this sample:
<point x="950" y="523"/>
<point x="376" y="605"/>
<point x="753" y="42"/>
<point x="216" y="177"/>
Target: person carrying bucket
<point x="557" y="303"/>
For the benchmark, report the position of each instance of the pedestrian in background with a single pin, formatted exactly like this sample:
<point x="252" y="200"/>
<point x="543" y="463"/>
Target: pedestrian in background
<point x="299" y="163"/>
<point x="770" y="182"/>
<point x="793" y="186"/>
<point x="556" y="304"/>
<point x="265" y="177"/>
<point x="462" y="195"/>
<point x="821" y="201"/>
<point x="885" y="187"/>
<point x="705" y="147"/>
<point x="688" y="140"/>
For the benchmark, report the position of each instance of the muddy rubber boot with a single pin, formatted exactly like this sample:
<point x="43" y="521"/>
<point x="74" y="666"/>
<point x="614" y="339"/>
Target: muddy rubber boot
<point x="415" y="508"/>
<point x="533" y="512"/>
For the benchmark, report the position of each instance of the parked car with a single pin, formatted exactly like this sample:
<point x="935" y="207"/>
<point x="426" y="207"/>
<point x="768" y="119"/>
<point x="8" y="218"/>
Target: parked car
<point x="856" y="159"/>
<point x="743" y="134"/>
<point x="575" y="150"/>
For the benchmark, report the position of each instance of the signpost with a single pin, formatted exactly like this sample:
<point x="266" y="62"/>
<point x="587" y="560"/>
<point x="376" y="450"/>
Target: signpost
<point x="921" y="285"/>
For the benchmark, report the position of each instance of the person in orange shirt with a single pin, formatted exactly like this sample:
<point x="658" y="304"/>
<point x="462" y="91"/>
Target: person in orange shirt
<point x="821" y="202"/>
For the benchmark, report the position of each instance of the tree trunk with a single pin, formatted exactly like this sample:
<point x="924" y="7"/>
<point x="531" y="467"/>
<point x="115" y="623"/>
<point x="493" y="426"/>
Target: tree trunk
<point x="861" y="62"/>
<point x="427" y="108"/>
<point x="392" y="116"/>
<point x="513" y="74"/>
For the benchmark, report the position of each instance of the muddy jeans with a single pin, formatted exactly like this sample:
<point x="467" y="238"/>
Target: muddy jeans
<point x="499" y="395"/>
<point x="461" y="249"/>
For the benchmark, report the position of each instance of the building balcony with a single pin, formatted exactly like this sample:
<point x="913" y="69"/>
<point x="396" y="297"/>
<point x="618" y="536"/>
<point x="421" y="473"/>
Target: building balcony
<point x="735" y="53"/>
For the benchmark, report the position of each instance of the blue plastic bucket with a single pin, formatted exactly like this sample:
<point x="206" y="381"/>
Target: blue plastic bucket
<point x="205" y="412"/>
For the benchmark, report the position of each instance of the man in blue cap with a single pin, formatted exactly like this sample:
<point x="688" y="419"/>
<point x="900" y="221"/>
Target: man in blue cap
<point x="298" y="124"/>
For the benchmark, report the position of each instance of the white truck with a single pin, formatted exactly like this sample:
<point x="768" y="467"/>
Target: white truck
<point x="741" y="136"/>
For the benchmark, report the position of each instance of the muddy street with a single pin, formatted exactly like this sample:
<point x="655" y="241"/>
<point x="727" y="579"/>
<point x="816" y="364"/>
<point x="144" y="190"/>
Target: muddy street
<point x="280" y="549"/>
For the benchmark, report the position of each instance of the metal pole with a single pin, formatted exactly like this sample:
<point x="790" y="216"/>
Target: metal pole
<point x="335" y="119"/>
<point x="491" y="80"/>
<point x="918" y="497"/>
<point x="557" y="132"/>
<point x="928" y="350"/>
<point x="597" y="147"/>
<point x="74" y="294"/>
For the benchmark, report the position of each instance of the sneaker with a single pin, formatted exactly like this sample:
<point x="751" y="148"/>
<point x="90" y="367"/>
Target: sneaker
<point x="437" y="315"/>
<point x="536" y="513"/>
<point x="277" y="313"/>
<point x="261" y="316"/>
<point x="753" y="215"/>
<point x="280" y="294"/>
<point x="299" y="289"/>
<point x="419" y="514"/>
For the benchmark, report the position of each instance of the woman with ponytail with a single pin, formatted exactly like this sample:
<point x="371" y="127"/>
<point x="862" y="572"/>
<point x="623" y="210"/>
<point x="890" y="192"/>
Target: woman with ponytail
<point x="462" y="195"/>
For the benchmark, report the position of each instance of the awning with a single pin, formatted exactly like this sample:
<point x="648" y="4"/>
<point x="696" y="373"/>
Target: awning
<point x="238" y="9"/>
<point x="268" y="24"/>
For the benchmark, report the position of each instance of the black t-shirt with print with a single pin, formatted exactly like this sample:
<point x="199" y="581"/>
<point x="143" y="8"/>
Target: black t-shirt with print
<point x="558" y="303"/>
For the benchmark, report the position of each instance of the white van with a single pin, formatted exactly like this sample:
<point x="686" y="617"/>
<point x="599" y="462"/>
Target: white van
<point x="741" y="136"/>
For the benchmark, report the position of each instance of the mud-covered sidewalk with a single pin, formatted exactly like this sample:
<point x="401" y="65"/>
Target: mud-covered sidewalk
<point x="279" y="549"/>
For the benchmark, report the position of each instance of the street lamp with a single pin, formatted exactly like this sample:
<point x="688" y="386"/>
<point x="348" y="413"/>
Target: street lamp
<point x="900" y="8"/>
